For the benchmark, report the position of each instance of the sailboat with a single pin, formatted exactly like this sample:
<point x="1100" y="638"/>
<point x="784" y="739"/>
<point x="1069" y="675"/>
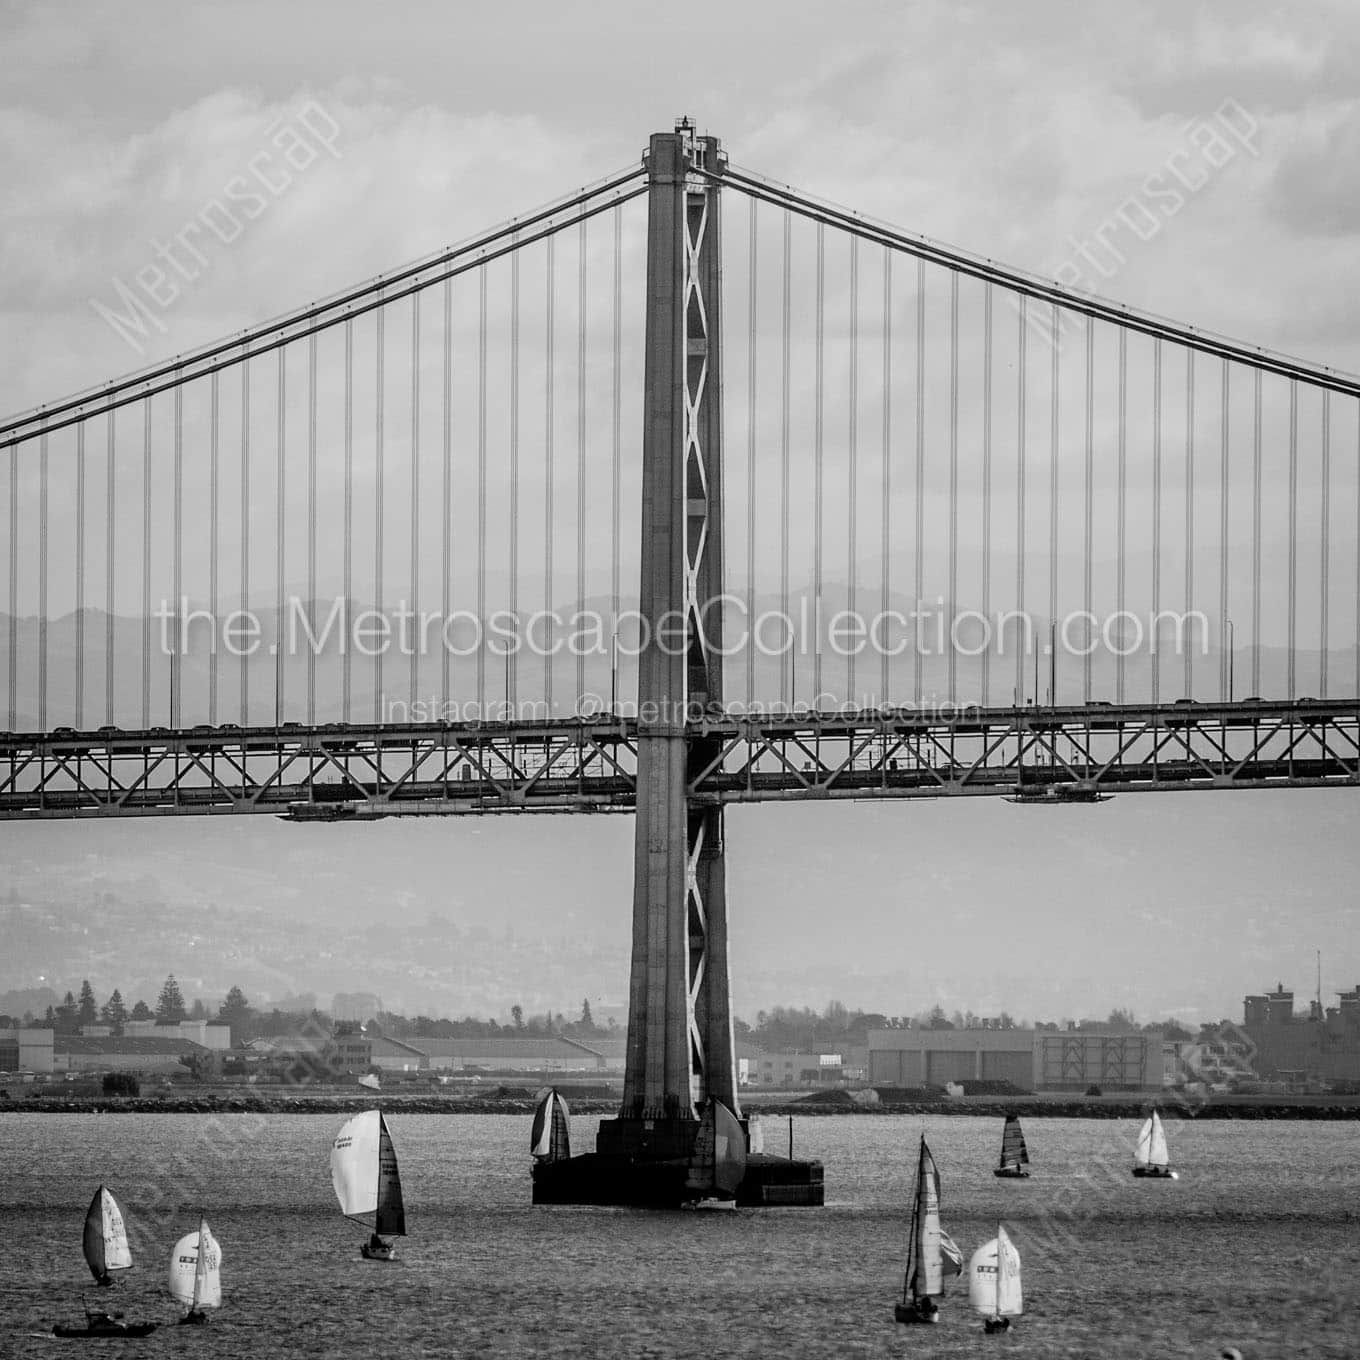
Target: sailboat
<point x="931" y="1254"/>
<point x="106" y="1244"/>
<point x="367" y="1183"/>
<point x="1014" y="1153"/>
<point x="1151" y="1158"/>
<point x="550" y="1137"/>
<point x="106" y="1249"/>
<point x="195" y="1273"/>
<point x="718" y="1163"/>
<point x="994" y="1282"/>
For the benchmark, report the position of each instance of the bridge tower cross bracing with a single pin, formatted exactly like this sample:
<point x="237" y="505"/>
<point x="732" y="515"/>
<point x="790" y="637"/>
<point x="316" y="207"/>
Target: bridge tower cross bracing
<point x="680" y="1049"/>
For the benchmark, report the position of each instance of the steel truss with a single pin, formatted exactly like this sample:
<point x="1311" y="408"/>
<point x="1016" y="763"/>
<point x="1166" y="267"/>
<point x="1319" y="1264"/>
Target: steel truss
<point x="362" y="771"/>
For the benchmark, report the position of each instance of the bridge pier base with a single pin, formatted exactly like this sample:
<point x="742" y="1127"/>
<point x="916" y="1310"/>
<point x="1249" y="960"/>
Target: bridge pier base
<point x="645" y="1163"/>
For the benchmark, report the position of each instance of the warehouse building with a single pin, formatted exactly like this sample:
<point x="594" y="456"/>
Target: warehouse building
<point x="26" y="1050"/>
<point x="1030" y="1060"/>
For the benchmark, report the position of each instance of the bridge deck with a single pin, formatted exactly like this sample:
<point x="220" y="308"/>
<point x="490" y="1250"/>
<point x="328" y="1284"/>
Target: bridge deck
<point x="1050" y="755"/>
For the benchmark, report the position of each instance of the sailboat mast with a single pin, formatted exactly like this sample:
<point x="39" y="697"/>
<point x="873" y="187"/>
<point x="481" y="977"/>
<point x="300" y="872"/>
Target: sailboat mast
<point x="996" y="1297"/>
<point x="199" y="1263"/>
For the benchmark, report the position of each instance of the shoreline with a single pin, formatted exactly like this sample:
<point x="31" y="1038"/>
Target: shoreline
<point x="423" y="1104"/>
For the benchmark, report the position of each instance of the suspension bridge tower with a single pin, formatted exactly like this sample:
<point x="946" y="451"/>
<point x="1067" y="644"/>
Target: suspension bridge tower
<point x="680" y="1057"/>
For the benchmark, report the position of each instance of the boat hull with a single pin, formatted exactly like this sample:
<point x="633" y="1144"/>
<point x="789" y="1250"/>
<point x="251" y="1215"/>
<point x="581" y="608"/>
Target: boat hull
<point x="1011" y="1173"/>
<point x="97" y="1331"/>
<point x="1154" y="1173"/>
<point x="1001" y="1324"/>
<point x="372" y="1253"/>
<point x="910" y="1313"/>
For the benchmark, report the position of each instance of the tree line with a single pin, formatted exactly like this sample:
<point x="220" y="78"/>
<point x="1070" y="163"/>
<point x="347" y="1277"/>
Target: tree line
<point x="780" y="1029"/>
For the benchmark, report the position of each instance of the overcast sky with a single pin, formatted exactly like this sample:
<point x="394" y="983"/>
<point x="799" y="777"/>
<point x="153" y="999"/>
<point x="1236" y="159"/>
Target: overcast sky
<point x="1014" y="130"/>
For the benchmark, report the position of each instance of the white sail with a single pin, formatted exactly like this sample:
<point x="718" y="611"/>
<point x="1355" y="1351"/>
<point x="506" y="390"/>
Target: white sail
<point x="105" y="1244"/>
<point x="994" y="1278"/>
<point x="550" y="1136"/>
<point x="117" y="1254"/>
<point x="928" y="1279"/>
<point x="195" y="1270"/>
<point x="1152" y="1149"/>
<point x="364" y="1173"/>
<point x="1010" y="1298"/>
<point x="354" y="1166"/>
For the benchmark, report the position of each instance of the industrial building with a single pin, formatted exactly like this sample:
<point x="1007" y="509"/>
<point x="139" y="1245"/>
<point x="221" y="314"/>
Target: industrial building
<point x="130" y="1053"/>
<point x="26" y="1050"/>
<point x="797" y="1068"/>
<point x="1316" y="1045"/>
<point x="554" y="1054"/>
<point x="213" y="1034"/>
<point x="1072" y="1061"/>
<point x="1030" y="1060"/>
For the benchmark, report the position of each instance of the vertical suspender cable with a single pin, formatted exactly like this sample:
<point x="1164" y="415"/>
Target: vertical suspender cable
<point x="953" y="477"/>
<point x="347" y="567"/>
<point x="379" y="603"/>
<point x="752" y="302"/>
<point x="786" y="364"/>
<point x="1292" y="621"/>
<point x="920" y="550"/>
<point x="481" y="482"/>
<point x="1323" y="630"/>
<point x="987" y="302"/>
<point x="214" y="533"/>
<point x="110" y="505"/>
<point x="512" y="677"/>
<point x="852" y="459"/>
<point x="617" y="444"/>
<point x="414" y="677"/>
<point x="1088" y="490"/>
<point x="817" y="458"/>
<point x="1186" y="642"/>
<point x="1156" y="517"/>
<point x="1223" y="505"/>
<point x="1256" y="536"/>
<point x="14" y="577"/>
<point x="885" y="530"/>
<point x="80" y="577"/>
<point x="548" y="477"/>
<point x="280" y="527"/>
<point x="311" y="522"/>
<point x="446" y="502"/>
<point x="146" y="562"/>
<point x="581" y="449"/>
<point x="42" y="581"/>
<point x="1055" y="397"/>
<point x="245" y="531"/>
<point x="1021" y="383"/>
<point x="1122" y="506"/>
<point x="177" y="567"/>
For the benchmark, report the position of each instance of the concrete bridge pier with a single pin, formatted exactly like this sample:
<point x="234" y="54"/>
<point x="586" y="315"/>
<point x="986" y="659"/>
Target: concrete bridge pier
<point x="680" y="1047"/>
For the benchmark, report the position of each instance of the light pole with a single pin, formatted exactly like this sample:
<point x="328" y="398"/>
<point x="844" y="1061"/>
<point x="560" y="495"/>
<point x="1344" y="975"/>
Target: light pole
<point x="1231" y="658"/>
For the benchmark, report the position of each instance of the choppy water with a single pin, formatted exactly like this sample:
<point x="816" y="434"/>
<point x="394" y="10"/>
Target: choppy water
<point x="1257" y="1245"/>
